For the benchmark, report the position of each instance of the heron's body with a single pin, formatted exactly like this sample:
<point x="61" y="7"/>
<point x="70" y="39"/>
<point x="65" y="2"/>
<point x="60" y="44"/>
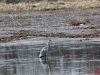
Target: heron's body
<point x="45" y="50"/>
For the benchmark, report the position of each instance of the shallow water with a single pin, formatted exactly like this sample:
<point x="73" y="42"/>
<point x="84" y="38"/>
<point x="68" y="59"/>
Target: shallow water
<point x="66" y="58"/>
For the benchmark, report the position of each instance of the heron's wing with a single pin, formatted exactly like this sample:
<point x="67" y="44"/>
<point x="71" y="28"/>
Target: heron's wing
<point x="45" y="48"/>
<point x="44" y="51"/>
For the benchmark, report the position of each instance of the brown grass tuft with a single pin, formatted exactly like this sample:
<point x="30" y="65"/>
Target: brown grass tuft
<point x="76" y="22"/>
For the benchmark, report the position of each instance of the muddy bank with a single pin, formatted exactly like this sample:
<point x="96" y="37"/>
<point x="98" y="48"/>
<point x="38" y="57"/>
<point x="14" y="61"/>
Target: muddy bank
<point x="27" y="34"/>
<point x="60" y="23"/>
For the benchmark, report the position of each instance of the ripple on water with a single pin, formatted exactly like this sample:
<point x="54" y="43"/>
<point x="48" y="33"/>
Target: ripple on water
<point x="67" y="56"/>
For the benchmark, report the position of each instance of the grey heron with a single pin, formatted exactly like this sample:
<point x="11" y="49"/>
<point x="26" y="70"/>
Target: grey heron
<point x="45" y="50"/>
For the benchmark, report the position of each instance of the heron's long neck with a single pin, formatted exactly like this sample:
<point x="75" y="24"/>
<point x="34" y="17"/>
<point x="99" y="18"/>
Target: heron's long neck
<point x="48" y="44"/>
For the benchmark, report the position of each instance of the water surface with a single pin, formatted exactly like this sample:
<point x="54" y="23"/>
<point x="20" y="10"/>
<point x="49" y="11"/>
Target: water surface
<point x="66" y="58"/>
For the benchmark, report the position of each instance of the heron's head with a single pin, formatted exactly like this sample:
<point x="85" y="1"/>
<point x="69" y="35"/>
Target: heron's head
<point x="50" y="40"/>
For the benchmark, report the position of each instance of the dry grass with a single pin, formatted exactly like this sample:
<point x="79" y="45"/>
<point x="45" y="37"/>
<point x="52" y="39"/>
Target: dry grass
<point x="76" y="22"/>
<point x="22" y="7"/>
<point x="68" y="5"/>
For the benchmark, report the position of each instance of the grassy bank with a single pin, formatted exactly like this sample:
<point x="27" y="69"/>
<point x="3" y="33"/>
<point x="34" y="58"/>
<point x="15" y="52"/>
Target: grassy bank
<point x="45" y="5"/>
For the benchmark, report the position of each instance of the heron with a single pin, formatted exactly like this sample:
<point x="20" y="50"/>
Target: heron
<point x="45" y="50"/>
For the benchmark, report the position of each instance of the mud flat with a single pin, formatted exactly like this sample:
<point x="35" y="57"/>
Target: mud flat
<point x="78" y="23"/>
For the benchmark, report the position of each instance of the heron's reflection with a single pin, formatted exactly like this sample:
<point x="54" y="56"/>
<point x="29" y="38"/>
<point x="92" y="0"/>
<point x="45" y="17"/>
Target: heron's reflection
<point x="45" y="62"/>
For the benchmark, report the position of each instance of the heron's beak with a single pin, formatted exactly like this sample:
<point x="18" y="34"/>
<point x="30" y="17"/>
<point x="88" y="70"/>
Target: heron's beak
<point x="53" y="41"/>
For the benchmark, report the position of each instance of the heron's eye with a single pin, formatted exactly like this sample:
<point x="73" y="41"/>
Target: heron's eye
<point x="49" y="40"/>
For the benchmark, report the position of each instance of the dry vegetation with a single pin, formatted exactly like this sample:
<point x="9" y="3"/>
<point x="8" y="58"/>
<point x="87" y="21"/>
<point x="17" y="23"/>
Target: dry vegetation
<point x="76" y="22"/>
<point x="24" y="34"/>
<point x="45" y="5"/>
<point x="20" y="7"/>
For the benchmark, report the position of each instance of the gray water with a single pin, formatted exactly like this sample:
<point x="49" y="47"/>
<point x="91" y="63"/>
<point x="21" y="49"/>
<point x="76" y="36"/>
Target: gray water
<point x="66" y="58"/>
